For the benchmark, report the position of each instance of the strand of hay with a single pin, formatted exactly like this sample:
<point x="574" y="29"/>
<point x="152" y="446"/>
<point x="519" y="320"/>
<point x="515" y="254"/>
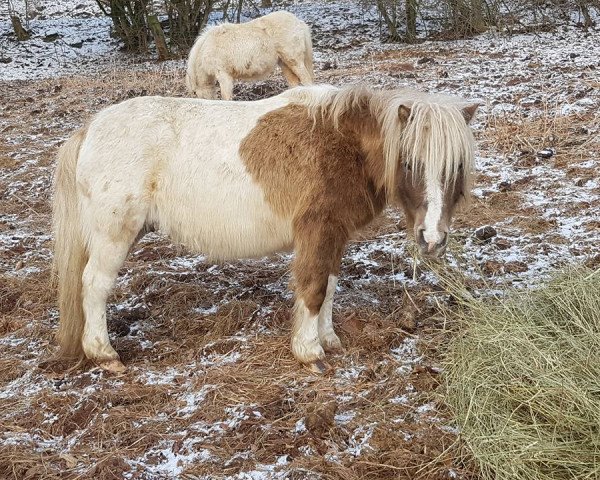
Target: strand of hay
<point x="523" y="380"/>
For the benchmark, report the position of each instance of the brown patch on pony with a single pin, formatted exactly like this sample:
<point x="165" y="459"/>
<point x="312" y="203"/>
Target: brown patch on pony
<point x="328" y="181"/>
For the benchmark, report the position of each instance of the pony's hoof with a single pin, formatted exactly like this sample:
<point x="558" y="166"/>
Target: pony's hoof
<point x="113" y="366"/>
<point x="331" y="343"/>
<point x="319" y="366"/>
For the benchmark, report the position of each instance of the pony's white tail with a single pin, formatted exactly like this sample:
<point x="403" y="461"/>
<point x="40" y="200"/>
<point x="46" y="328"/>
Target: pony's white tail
<point x="70" y="256"/>
<point x="308" y="54"/>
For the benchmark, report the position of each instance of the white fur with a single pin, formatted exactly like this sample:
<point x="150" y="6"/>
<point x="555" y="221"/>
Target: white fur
<point x="173" y="164"/>
<point x="435" y="202"/>
<point x="250" y="51"/>
<point x="306" y="345"/>
<point x="329" y="340"/>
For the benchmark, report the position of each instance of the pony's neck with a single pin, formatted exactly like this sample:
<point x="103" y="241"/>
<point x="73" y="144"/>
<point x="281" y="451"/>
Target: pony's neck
<point x="362" y="125"/>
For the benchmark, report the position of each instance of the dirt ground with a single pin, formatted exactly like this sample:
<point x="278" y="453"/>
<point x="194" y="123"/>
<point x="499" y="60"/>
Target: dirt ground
<point x="212" y="390"/>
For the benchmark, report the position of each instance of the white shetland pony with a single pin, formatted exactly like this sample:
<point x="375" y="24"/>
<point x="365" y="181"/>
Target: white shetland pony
<point x="250" y="51"/>
<point x="303" y="170"/>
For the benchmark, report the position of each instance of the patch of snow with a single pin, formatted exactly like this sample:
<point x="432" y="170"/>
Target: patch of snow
<point x="359" y="440"/>
<point x="344" y="417"/>
<point x="170" y="464"/>
<point x="407" y="355"/>
<point x="300" y="426"/>
<point x="426" y="407"/>
<point x="193" y="400"/>
<point x="401" y="400"/>
<point x="217" y="359"/>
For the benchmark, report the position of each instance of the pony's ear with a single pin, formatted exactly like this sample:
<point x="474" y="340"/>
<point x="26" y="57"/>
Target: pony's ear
<point x="403" y="113"/>
<point x="469" y="112"/>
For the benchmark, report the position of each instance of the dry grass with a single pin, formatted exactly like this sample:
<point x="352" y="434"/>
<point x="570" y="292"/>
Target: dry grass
<point x="524" y="134"/>
<point x="522" y="380"/>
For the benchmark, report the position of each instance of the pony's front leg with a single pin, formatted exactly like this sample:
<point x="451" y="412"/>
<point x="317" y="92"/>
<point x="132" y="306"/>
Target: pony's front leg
<point x="319" y="244"/>
<point x="329" y="340"/>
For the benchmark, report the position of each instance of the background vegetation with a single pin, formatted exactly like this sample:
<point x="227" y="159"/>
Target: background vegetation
<point x="172" y="25"/>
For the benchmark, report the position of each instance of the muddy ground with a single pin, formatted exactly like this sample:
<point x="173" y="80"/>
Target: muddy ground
<point x="212" y="390"/>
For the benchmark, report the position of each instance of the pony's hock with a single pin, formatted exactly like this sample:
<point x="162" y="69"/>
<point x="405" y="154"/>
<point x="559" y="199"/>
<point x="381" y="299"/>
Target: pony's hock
<point x="304" y="170"/>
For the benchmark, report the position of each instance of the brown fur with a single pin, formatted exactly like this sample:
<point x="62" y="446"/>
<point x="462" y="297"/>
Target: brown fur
<point x="329" y="178"/>
<point x="327" y="181"/>
<point x="410" y="195"/>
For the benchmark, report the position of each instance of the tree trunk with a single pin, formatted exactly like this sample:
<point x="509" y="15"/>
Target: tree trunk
<point x="411" y="21"/>
<point x="159" y="38"/>
<point x="226" y="10"/>
<point x="20" y="32"/>
<point x="588" y="22"/>
<point x="391" y="25"/>
<point x="475" y="11"/>
<point x="239" y="11"/>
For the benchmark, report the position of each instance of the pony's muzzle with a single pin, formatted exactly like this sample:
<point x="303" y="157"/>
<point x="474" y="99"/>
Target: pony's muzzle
<point x="431" y="249"/>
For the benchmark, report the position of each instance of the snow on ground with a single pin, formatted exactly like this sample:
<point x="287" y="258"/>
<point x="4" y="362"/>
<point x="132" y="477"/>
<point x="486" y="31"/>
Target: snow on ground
<point x="191" y="362"/>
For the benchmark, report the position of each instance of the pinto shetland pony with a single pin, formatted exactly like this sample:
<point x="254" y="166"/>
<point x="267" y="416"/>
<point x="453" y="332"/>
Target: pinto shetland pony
<point x="303" y="170"/>
<point x="250" y="51"/>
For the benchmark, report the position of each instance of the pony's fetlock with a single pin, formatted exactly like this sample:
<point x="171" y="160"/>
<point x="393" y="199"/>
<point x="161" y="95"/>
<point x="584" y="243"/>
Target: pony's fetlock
<point x="307" y="349"/>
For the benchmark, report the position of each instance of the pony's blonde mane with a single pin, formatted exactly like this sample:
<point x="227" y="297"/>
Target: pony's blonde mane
<point x="435" y="141"/>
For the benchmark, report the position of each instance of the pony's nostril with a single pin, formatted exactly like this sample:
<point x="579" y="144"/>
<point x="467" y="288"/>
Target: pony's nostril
<point x="421" y="238"/>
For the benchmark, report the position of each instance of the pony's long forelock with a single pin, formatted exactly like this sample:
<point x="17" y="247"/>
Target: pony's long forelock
<point x="435" y="142"/>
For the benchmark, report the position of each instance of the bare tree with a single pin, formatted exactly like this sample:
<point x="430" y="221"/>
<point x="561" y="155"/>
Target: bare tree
<point x="129" y="18"/>
<point x="15" y="20"/>
<point x="411" y="21"/>
<point x="388" y="9"/>
<point x="186" y="18"/>
<point x="135" y="22"/>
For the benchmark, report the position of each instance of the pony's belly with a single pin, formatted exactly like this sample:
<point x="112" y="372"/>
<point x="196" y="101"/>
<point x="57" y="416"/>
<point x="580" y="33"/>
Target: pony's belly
<point x="224" y="237"/>
<point x="254" y="65"/>
<point x="222" y="221"/>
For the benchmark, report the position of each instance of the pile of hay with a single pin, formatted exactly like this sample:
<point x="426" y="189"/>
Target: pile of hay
<point x="523" y="380"/>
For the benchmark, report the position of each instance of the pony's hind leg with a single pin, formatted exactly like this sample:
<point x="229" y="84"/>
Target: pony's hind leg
<point x="226" y="86"/>
<point x="107" y="249"/>
<point x="298" y="69"/>
<point x="319" y="245"/>
<point x="290" y="76"/>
